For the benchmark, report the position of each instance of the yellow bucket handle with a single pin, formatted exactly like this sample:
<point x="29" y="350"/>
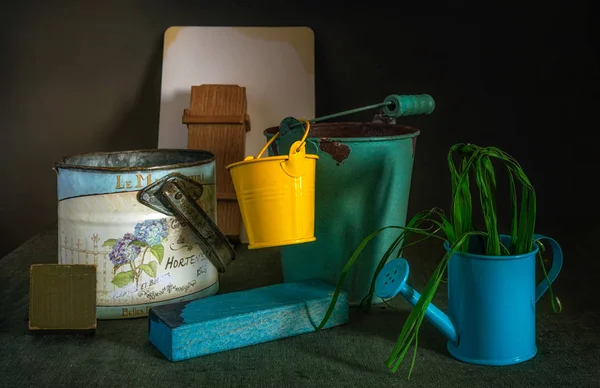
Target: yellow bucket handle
<point x="302" y="142"/>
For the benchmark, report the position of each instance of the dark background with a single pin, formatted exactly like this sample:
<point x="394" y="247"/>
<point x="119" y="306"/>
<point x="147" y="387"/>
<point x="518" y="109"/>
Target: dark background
<point x="524" y="76"/>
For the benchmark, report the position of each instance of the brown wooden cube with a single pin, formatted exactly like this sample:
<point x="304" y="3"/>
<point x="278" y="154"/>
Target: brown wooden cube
<point x="62" y="297"/>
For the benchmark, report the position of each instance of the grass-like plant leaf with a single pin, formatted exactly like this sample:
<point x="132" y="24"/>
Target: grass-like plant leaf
<point x="461" y="214"/>
<point x="486" y="181"/>
<point x="515" y="210"/>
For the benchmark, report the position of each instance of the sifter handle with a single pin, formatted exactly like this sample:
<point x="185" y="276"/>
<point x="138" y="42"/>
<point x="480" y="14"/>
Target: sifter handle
<point x="408" y="105"/>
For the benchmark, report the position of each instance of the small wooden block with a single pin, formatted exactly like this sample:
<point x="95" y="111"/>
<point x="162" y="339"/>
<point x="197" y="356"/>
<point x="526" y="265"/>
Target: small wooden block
<point x="62" y="297"/>
<point x="223" y="322"/>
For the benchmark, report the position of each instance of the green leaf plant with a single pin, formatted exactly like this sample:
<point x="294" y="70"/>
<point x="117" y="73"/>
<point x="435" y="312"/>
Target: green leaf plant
<point x="466" y="162"/>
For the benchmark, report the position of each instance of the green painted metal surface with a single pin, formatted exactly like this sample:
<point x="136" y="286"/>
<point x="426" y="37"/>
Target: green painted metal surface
<point x="363" y="182"/>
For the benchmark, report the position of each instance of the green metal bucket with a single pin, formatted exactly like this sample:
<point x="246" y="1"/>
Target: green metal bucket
<point x="362" y="184"/>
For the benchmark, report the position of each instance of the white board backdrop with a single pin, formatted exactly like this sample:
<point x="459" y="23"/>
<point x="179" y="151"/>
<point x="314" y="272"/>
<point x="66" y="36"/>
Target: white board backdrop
<point x="275" y="64"/>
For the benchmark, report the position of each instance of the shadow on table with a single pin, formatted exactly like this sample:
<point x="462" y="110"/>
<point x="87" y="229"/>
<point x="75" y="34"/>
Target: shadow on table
<point x="131" y="335"/>
<point x="387" y="322"/>
<point x="372" y="334"/>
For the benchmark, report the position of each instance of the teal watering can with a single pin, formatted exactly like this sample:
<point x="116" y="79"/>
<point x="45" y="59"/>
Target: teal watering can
<point x="491" y="303"/>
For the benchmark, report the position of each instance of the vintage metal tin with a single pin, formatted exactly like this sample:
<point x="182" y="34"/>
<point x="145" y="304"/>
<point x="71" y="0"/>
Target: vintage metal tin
<point x="146" y="252"/>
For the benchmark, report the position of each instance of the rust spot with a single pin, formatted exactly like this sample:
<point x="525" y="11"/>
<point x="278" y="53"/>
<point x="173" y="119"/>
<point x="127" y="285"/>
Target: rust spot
<point x="414" y="141"/>
<point x="337" y="150"/>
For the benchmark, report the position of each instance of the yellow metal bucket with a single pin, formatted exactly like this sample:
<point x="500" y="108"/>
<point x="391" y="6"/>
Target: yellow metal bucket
<point x="276" y="195"/>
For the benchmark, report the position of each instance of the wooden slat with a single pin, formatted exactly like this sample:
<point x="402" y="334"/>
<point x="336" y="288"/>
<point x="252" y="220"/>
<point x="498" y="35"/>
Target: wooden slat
<point x="188" y="118"/>
<point x="227" y="196"/>
<point x="222" y="108"/>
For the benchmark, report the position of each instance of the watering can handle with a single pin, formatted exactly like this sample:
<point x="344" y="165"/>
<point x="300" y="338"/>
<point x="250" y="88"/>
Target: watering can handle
<point x="408" y="105"/>
<point x="557" y="261"/>
<point x="171" y="196"/>
<point x="214" y="244"/>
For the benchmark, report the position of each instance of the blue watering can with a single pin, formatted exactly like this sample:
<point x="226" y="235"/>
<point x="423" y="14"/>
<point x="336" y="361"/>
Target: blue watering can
<point x="491" y="303"/>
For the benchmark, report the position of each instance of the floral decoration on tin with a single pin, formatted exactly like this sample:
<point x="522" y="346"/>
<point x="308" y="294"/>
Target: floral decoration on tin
<point x="132" y="249"/>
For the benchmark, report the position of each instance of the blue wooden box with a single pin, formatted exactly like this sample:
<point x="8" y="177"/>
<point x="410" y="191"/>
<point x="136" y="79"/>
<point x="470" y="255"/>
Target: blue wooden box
<point x="196" y="328"/>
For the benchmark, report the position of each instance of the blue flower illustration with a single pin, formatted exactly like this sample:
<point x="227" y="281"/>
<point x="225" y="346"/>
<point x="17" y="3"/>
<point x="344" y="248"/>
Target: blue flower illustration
<point x="123" y="252"/>
<point x="151" y="232"/>
<point x="147" y="238"/>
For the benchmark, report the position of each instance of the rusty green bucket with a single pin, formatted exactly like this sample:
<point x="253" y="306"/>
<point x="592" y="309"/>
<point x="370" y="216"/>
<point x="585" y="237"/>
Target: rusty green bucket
<point x="363" y="182"/>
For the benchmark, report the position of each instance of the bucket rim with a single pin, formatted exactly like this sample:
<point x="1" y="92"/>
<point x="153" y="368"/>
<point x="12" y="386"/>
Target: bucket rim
<point x="267" y="159"/>
<point x="66" y="165"/>
<point x="478" y="256"/>
<point x="411" y="132"/>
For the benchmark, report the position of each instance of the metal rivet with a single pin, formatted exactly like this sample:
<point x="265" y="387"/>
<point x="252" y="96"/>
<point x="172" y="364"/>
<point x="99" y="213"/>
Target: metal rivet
<point x="146" y="197"/>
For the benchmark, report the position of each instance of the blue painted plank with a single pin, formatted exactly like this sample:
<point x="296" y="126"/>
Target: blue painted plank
<point x="223" y="322"/>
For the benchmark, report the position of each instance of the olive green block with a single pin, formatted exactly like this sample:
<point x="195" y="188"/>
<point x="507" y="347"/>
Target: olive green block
<point x="62" y="297"/>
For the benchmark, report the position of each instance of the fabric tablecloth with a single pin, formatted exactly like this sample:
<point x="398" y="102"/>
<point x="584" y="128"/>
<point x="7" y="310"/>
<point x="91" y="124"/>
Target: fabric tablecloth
<point x="353" y="355"/>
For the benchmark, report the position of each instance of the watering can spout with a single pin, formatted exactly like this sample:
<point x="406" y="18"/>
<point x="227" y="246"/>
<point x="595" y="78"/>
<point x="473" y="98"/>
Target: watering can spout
<point x="391" y="281"/>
